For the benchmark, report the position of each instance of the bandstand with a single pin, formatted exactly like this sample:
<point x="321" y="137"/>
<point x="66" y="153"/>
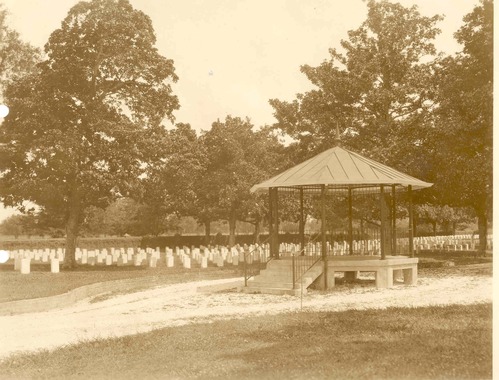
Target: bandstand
<point x="339" y="178"/>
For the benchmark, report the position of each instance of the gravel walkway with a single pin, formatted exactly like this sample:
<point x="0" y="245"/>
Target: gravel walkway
<point x="180" y="304"/>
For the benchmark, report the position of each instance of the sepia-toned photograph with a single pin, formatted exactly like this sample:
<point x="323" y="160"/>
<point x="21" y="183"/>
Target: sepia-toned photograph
<point x="246" y="189"/>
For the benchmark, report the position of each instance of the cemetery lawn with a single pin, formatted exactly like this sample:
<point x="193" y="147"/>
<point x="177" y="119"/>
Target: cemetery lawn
<point x="41" y="283"/>
<point x="396" y="343"/>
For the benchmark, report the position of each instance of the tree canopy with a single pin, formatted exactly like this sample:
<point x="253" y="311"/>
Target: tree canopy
<point x="237" y="158"/>
<point x="461" y="141"/>
<point x="171" y="184"/>
<point x="83" y="129"/>
<point x="85" y="125"/>
<point x="375" y="88"/>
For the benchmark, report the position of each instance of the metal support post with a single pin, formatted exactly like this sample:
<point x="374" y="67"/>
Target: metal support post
<point x="382" y="206"/>
<point x="323" y="231"/>
<point x="411" y="225"/>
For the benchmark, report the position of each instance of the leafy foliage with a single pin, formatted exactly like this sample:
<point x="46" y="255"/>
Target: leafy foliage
<point x="83" y="130"/>
<point x="237" y="159"/>
<point x="462" y="137"/>
<point x="171" y="185"/>
<point x="377" y="89"/>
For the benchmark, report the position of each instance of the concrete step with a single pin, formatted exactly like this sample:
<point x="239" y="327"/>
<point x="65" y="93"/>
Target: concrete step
<point x="277" y="278"/>
<point x="277" y="271"/>
<point x="276" y="291"/>
<point x="270" y="277"/>
<point x="288" y="263"/>
<point x="271" y="284"/>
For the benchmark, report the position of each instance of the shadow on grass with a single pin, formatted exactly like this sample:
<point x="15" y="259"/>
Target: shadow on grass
<point x="434" y="342"/>
<point x="396" y="343"/>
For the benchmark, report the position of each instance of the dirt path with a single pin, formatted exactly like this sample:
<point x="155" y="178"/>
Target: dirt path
<point x="180" y="304"/>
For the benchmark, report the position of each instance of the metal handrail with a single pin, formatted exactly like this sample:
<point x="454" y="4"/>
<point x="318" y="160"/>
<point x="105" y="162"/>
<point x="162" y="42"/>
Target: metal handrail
<point x="305" y="264"/>
<point x="247" y="275"/>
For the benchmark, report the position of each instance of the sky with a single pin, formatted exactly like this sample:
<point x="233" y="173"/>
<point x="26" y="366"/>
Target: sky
<point x="232" y="56"/>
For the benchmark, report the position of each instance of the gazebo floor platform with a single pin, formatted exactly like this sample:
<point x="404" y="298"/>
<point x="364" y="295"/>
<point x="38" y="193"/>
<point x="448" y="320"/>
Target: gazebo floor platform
<point x="277" y="278"/>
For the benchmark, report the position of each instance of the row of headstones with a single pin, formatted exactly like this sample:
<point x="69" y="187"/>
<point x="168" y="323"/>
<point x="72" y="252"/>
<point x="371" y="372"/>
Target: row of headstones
<point x="118" y="256"/>
<point x="218" y="255"/>
<point x="366" y="247"/>
<point x="455" y="242"/>
<point x="40" y="255"/>
<point x="372" y="247"/>
<point x="22" y="262"/>
<point x="139" y="257"/>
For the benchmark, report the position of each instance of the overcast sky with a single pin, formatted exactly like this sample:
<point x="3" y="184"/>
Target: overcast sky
<point x="232" y="56"/>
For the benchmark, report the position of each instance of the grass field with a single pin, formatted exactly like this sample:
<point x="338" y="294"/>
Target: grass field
<point x="452" y="342"/>
<point x="41" y="283"/>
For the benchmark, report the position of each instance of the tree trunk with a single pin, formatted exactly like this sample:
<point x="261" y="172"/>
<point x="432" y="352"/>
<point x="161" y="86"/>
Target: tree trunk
<point x="257" y="231"/>
<point x="434" y="225"/>
<point x="232" y="229"/>
<point x="72" y="227"/>
<point x="482" y="231"/>
<point x="207" y="232"/>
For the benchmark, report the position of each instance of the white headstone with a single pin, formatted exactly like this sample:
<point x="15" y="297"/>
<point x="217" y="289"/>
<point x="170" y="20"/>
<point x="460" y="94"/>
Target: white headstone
<point x="137" y="260"/>
<point x="170" y="261"/>
<point x="220" y="261"/>
<point x="152" y="261"/>
<point x="17" y="261"/>
<point x="54" y="266"/>
<point x="25" y="266"/>
<point x="204" y="262"/>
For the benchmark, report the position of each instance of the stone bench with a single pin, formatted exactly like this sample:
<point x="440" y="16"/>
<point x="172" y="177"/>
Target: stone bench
<point x="386" y="270"/>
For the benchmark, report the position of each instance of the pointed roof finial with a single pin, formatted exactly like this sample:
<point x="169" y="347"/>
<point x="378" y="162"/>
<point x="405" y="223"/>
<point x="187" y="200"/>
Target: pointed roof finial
<point x="337" y="139"/>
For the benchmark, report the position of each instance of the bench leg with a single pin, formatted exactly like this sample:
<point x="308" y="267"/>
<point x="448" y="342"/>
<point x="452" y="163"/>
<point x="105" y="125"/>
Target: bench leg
<point x="330" y="279"/>
<point x="411" y="276"/>
<point x="384" y="278"/>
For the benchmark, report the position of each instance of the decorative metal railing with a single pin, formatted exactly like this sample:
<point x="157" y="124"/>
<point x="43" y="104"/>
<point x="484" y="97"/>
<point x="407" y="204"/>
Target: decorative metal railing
<point x="302" y="262"/>
<point x="251" y="268"/>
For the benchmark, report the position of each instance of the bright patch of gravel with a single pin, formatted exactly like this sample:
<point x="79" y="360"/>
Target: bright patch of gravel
<point x="180" y="304"/>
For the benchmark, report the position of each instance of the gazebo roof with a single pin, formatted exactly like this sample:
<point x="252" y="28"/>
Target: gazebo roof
<point x="340" y="168"/>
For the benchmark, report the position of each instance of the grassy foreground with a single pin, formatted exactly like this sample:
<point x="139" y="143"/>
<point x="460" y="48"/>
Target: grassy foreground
<point x="453" y="342"/>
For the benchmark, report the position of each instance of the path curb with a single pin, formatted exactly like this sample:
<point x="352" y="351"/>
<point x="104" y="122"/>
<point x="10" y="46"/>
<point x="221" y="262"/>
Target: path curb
<point x="42" y="304"/>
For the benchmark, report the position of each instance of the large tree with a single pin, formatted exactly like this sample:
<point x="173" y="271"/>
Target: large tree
<point x="170" y="185"/>
<point x="88" y="125"/>
<point x="376" y="88"/>
<point x="462" y="137"/>
<point x="237" y="158"/>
